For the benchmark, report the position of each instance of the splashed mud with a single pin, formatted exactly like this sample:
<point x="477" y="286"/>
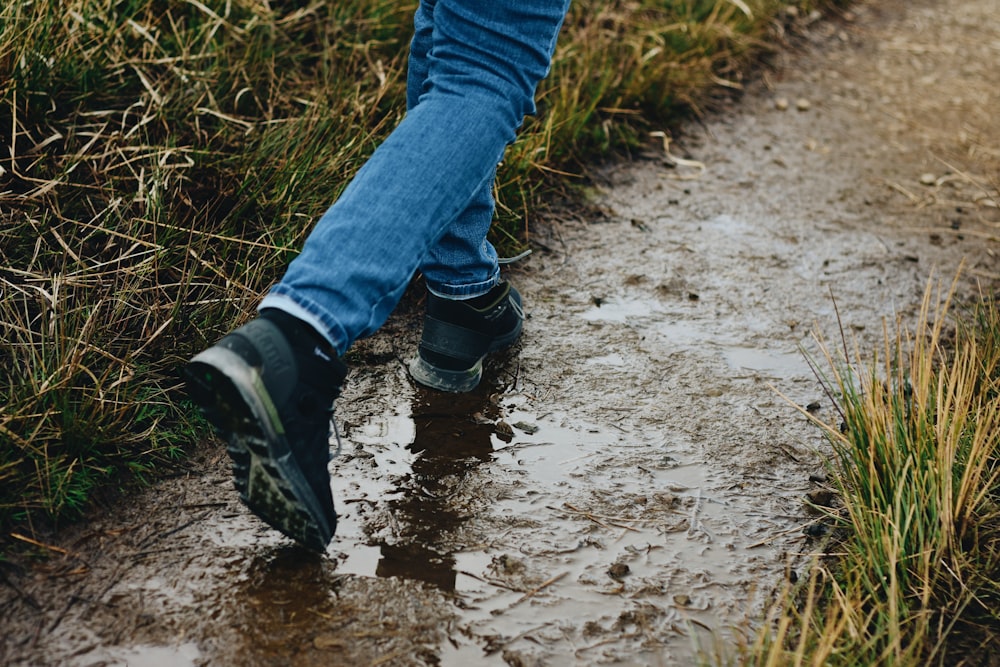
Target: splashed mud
<point x="629" y="485"/>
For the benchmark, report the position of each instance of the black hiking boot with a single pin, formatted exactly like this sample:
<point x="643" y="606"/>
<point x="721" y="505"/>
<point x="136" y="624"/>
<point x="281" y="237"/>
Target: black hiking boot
<point x="458" y="335"/>
<point x="268" y="388"/>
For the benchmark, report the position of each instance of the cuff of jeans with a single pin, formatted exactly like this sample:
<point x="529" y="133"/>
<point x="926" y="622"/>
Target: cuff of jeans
<point x="465" y="291"/>
<point x="328" y="330"/>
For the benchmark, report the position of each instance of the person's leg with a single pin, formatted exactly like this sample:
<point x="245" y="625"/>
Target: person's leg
<point x="483" y="65"/>
<point x="462" y="264"/>
<point x="269" y="385"/>
<point x="468" y="312"/>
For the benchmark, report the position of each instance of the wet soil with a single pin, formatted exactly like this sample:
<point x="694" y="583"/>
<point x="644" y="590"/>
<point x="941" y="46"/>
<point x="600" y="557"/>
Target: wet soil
<point x="629" y="485"/>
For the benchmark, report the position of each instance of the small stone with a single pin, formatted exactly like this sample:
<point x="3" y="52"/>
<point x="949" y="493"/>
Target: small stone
<point x="802" y="104"/>
<point x="928" y="179"/>
<point x="781" y="104"/>
<point x="525" y="427"/>
<point x="640" y="225"/>
<point x="503" y="431"/>
<point x="505" y="564"/>
<point x="815" y="529"/>
<point x="821" y="497"/>
<point x="619" y="571"/>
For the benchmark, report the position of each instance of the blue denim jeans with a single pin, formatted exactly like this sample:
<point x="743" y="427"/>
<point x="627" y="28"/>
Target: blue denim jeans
<point x="424" y="199"/>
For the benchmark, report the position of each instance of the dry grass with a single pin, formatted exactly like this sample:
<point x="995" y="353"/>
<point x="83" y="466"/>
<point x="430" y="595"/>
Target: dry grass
<point x="911" y="579"/>
<point x="144" y="208"/>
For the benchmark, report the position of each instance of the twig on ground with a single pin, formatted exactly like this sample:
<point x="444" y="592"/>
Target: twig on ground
<point x="485" y="580"/>
<point x="534" y="591"/>
<point x="50" y="547"/>
<point x="797" y="529"/>
<point x="504" y="644"/>
<point x="389" y="657"/>
<point x="598" y="520"/>
<point x="21" y="594"/>
<point x="159" y="536"/>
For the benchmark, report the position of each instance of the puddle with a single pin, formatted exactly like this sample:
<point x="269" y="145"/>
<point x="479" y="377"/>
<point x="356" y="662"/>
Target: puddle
<point x="184" y="655"/>
<point x="620" y="311"/>
<point x="535" y="523"/>
<point x="722" y="337"/>
<point x="769" y="363"/>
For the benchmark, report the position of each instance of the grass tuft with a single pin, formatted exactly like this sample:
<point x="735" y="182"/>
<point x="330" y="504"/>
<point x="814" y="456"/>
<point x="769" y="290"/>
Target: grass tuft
<point x="910" y="576"/>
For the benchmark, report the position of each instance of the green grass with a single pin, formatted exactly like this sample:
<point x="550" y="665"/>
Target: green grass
<point x="161" y="161"/>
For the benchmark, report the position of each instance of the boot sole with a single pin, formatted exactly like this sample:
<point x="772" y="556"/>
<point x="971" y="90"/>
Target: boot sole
<point x="270" y="482"/>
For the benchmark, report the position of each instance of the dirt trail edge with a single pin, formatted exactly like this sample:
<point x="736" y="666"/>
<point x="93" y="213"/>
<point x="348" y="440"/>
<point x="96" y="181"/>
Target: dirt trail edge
<point x="628" y="486"/>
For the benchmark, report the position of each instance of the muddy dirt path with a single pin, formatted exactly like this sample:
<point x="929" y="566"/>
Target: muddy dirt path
<point x="627" y="487"/>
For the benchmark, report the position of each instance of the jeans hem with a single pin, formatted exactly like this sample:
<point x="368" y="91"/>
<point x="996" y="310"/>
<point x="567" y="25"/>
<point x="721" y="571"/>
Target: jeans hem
<point x="310" y="313"/>
<point x="464" y="291"/>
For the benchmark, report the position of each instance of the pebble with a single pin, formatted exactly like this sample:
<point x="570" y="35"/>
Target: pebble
<point x="618" y="570"/>
<point x="781" y="104"/>
<point x="503" y="431"/>
<point x="815" y="529"/>
<point x="821" y="497"/>
<point x="928" y="179"/>
<point x="530" y="429"/>
<point x="802" y="104"/>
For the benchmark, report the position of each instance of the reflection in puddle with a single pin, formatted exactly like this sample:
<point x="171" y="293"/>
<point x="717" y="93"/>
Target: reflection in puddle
<point x="423" y="460"/>
<point x="565" y="500"/>
<point x="452" y="437"/>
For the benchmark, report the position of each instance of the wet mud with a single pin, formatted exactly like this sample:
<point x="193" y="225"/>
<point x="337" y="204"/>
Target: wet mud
<point x="628" y="485"/>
